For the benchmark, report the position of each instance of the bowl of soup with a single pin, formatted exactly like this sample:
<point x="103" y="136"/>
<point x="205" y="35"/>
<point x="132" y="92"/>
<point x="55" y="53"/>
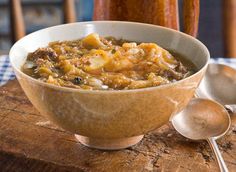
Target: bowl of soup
<point x="109" y="82"/>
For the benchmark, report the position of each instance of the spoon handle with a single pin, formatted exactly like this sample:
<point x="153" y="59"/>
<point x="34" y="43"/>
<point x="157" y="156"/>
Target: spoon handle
<point x="231" y="108"/>
<point x="220" y="160"/>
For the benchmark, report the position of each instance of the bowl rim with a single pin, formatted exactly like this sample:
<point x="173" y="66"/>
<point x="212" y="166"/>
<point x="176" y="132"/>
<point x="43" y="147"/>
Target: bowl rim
<point x="68" y="89"/>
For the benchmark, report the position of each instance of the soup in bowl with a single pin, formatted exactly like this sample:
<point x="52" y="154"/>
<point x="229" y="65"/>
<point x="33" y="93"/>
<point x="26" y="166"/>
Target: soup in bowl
<point x="109" y="82"/>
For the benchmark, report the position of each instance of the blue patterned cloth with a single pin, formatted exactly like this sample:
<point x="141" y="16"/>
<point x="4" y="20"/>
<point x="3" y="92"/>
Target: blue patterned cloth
<point x="6" y="71"/>
<point x="227" y="61"/>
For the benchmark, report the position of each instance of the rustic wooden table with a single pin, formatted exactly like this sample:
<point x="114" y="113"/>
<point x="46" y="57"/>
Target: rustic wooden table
<point x="29" y="142"/>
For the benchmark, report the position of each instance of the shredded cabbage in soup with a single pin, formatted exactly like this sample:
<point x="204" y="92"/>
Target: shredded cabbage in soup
<point x="97" y="63"/>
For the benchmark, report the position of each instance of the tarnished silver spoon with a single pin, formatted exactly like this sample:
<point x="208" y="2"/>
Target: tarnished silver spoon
<point x="204" y="119"/>
<point x="219" y="84"/>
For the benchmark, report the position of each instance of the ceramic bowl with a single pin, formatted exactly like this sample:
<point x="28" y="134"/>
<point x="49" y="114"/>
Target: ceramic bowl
<point x="110" y="119"/>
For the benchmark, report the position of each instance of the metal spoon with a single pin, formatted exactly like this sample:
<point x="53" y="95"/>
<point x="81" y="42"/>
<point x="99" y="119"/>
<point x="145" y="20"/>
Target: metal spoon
<point x="200" y="123"/>
<point x="219" y="84"/>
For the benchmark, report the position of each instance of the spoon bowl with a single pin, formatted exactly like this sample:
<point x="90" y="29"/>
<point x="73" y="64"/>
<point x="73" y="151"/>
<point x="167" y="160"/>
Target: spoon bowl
<point x="198" y="122"/>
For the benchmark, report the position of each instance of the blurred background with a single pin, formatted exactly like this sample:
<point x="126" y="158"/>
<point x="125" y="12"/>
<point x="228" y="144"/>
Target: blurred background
<point x="39" y="14"/>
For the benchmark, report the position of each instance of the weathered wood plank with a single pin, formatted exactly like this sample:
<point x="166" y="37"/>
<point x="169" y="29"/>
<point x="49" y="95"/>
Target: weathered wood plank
<point x="29" y="142"/>
<point x="20" y="163"/>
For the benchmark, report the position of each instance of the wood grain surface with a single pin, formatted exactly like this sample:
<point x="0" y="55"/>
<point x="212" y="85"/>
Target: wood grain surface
<point x="159" y="12"/>
<point x="164" y="13"/>
<point x="229" y="27"/>
<point x="69" y="11"/>
<point x="191" y="9"/>
<point x="16" y="20"/>
<point x="29" y="142"/>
